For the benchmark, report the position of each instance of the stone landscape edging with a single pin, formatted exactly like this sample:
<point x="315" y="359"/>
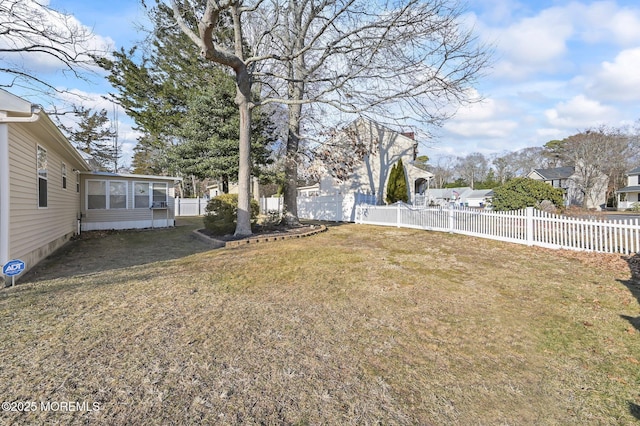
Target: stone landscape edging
<point x="215" y="243"/>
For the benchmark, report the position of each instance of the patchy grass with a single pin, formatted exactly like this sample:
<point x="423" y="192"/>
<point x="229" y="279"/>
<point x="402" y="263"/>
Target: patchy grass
<point x="359" y="325"/>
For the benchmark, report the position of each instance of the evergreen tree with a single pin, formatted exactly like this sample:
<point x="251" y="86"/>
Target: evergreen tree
<point x="208" y="146"/>
<point x="94" y="136"/>
<point x="184" y="106"/>
<point x="391" y="185"/>
<point x="397" y="184"/>
<point x="155" y="87"/>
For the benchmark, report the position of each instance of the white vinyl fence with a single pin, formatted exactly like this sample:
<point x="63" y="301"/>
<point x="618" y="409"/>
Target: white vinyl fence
<point x="271" y="204"/>
<point x="191" y="206"/>
<point x="529" y="226"/>
<point x="334" y="208"/>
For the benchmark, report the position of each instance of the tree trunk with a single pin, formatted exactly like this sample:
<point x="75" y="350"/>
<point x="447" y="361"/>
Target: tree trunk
<point x="295" y="90"/>
<point x="243" y="99"/>
<point x="225" y="184"/>
<point x="291" y="167"/>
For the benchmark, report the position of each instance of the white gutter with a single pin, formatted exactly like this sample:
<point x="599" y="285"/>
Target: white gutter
<point x="4" y="178"/>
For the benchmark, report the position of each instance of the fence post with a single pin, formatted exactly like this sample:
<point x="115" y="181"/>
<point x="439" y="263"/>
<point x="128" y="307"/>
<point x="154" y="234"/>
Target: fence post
<point x="451" y="230"/>
<point x="529" y="223"/>
<point x="398" y="215"/>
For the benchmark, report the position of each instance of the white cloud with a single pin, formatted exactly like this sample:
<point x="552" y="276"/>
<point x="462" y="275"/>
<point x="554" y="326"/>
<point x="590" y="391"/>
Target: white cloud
<point x="607" y="22"/>
<point x="60" y="34"/>
<point x="482" y="120"/>
<point x="545" y="42"/>
<point x="618" y="80"/>
<point x="579" y="113"/>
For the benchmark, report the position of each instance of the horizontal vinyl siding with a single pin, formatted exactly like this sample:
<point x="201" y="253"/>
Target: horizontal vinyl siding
<point x="33" y="229"/>
<point x="130" y="214"/>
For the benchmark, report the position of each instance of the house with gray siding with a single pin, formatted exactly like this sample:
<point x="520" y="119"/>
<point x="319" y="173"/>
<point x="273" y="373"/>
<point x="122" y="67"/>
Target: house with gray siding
<point x="48" y="192"/>
<point x="571" y="180"/>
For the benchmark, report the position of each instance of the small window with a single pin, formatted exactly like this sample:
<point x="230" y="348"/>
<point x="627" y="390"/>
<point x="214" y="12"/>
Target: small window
<point x="117" y="195"/>
<point x="148" y="195"/>
<point x="43" y="177"/>
<point x="160" y="195"/>
<point x="64" y="176"/>
<point x="141" y="195"/>
<point x="77" y="182"/>
<point x="96" y="194"/>
<point x="102" y="194"/>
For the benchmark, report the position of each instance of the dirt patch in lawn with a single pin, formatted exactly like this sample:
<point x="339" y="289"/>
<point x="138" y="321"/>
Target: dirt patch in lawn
<point x="98" y="251"/>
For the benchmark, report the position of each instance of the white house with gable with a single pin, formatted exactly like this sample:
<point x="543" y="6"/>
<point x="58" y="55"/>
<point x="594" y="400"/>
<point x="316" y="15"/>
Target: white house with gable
<point x="359" y="158"/>
<point x="629" y="196"/>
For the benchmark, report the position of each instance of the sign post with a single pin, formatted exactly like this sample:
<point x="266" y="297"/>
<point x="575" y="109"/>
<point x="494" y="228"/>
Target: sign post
<point x="13" y="268"/>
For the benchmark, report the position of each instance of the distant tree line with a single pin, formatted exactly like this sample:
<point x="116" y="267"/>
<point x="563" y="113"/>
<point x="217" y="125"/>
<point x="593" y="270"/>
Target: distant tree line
<point x="600" y="150"/>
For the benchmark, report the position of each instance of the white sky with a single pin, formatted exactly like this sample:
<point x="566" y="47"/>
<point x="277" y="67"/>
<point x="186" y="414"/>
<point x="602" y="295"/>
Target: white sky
<point x="559" y="67"/>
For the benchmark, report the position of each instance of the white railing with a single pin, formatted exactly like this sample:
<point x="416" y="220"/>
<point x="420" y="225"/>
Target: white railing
<point x="529" y="226"/>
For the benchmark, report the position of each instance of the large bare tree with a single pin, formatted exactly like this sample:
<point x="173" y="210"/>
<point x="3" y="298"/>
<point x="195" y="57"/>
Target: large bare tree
<point x="33" y="35"/>
<point x="396" y="61"/>
<point x="407" y="62"/>
<point x="601" y="157"/>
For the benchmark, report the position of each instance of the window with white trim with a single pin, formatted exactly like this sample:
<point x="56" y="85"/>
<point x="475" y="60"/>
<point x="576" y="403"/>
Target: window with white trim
<point x="64" y="176"/>
<point x="150" y="194"/>
<point x="43" y="176"/>
<point x="159" y="195"/>
<point x="141" y="195"/>
<point x="106" y="194"/>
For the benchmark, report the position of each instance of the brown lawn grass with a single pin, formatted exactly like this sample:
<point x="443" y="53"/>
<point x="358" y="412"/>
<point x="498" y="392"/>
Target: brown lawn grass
<point x="358" y="325"/>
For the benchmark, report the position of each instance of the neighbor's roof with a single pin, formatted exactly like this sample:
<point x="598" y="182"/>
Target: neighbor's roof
<point x="635" y="171"/>
<point x="480" y="193"/>
<point x="629" y="189"/>
<point x="132" y="176"/>
<point x="556" y="173"/>
<point x="447" y="193"/>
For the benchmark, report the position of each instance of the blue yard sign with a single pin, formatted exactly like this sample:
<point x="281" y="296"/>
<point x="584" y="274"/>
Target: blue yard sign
<point x="13" y="267"/>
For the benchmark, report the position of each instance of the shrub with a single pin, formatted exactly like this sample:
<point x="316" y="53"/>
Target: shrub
<point x="635" y="207"/>
<point x="397" y="184"/>
<point x="519" y="193"/>
<point x="222" y="212"/>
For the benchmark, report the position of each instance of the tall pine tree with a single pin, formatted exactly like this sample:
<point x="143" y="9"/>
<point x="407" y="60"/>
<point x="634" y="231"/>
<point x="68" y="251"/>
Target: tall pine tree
<point x="183" y="105"/>
<point x="93" y="135"/>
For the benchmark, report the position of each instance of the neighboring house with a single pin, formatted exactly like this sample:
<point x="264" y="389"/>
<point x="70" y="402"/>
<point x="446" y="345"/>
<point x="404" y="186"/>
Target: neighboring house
<point x="309" y="191"/>
<point x="48" y="192"/>
<point x="362" y="155"/>
<point x="463" y="197"/>
<point x="569" y="180"/>
<point x="215" y="189"/>
<point x="630" y="194"/>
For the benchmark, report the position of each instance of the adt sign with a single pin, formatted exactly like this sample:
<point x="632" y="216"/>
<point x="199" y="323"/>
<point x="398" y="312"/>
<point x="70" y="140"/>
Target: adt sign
<point x="13" y="267"/>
